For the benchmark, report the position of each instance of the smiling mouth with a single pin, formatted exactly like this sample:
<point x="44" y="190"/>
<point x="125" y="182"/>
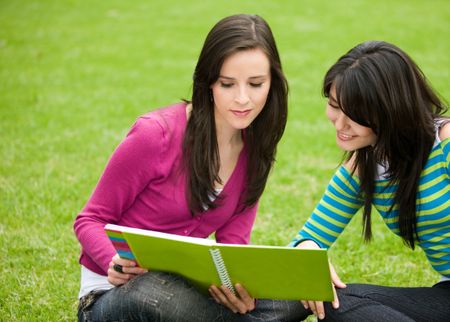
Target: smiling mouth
<point x="345" y="137"/>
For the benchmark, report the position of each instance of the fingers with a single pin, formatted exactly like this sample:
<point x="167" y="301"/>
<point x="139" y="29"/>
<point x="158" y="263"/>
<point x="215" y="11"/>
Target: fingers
<point x="336" y="282"/>
<point x="335" y="278"/>
<point x="122" y="261"/>
<point x="245" y="297"/>
<point x="320" y="311"/>
<point x="128" y="268"/>
<point x="221" y="298"/>
<point x="335" y="302"/>
<point x="242" y="303"/>
<point x="316" y="307"/>
<point x="116" y="278"/>
<point x="134" y="270"/>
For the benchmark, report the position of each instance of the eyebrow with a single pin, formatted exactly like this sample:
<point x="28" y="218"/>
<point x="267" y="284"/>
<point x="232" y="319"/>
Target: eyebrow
<point x="253" y="77"/>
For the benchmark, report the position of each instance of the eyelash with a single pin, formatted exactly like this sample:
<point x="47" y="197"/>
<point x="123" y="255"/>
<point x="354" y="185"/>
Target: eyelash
<point x="333" y="106"/>
<point x="228" y="85"/>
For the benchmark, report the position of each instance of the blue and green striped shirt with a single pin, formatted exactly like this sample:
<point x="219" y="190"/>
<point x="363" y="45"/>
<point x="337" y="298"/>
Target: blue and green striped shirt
<point x="342" y="200"/>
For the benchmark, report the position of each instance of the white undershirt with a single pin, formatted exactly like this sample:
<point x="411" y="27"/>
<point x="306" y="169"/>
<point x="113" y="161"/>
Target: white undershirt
<point x="91" y="281"/>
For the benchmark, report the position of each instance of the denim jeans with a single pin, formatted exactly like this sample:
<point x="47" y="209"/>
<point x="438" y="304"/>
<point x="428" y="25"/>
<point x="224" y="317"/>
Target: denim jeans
<point x="363" y="302"/>
<point x="157" y="296"/>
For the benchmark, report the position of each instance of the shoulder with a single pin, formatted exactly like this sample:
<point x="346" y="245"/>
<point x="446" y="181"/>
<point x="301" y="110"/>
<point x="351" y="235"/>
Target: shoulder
<point x="444" y="132"/>
<point x="158" y="123"/>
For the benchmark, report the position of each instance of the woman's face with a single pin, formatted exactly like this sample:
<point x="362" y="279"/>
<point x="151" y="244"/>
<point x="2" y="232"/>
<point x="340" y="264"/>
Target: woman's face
<point x="350" y="136"/>
<point x="241" y="90"/>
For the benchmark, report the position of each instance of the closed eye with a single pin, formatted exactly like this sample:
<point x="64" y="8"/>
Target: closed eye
<point x="256" y="84"/>
<point x="226" y="85"/>
<point x="332" y="104"/>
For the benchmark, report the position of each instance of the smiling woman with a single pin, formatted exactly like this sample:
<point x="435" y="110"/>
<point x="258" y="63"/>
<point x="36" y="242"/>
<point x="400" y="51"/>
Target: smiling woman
<point x="397" y="142"/>
<point x="194" y="168"/>
<point x="350" y="136"/>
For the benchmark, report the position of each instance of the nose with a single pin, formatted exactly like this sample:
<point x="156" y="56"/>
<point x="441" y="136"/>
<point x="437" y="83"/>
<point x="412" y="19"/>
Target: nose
<point x="242" y="96"/>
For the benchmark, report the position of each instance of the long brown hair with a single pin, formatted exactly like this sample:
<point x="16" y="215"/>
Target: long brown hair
<point x="379" y="86"/>
<point x="200" y="147"/>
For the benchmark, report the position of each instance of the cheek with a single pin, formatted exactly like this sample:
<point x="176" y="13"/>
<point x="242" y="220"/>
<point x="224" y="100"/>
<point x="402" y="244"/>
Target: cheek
<point x="330" y="114"/>
<point x="368" y="134"/>
<point x="219" y="94"/>
<point x="364" y="131"/>
<point x="260" y="97"/>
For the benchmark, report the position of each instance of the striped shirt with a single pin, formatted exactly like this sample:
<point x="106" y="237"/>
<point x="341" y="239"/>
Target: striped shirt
<point x="342" y="200"/>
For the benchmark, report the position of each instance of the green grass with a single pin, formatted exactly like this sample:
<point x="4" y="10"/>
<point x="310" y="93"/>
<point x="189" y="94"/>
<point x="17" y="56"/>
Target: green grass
<point x="75" y="74"/>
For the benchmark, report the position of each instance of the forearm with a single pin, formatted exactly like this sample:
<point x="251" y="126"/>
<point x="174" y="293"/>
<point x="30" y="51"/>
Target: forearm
<point x="94" y="241"/>
<point x="337" y="207"/>
<point x="238" y="229"/>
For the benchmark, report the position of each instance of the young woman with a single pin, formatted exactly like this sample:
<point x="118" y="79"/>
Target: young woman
<point x="389" y="121"/>
<point x="194" y="168"/>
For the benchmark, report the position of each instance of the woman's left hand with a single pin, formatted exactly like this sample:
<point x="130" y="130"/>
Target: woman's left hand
<point x="242" y="303"/>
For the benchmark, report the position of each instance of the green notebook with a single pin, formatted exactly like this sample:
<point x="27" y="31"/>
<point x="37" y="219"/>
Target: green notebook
<point x="265" y="271"/>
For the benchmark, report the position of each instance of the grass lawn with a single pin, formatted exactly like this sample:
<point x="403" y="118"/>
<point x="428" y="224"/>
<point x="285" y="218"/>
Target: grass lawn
<point x="74" y="75"/>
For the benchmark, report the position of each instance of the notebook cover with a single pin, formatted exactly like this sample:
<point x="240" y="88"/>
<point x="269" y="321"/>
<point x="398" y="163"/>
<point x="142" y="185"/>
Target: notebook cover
<point x="265" y="271"/>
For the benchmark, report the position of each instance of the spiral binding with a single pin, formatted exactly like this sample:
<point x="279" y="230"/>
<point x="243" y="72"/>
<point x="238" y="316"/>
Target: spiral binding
<point x="221" y="269"/>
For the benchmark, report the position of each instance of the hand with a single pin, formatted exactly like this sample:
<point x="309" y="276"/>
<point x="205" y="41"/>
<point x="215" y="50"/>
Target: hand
<point x="129" y="270"/>
<point x="242" y="303"/>
<point x="317" y="306"/>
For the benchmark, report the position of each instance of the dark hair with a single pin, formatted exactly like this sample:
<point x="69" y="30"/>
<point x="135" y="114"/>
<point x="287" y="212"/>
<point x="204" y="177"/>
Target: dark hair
<point x="200" y="148"/>
<point x="379" y="86"/>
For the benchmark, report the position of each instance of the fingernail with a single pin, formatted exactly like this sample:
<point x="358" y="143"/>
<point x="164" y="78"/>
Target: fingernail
<point x="321" y="316"/>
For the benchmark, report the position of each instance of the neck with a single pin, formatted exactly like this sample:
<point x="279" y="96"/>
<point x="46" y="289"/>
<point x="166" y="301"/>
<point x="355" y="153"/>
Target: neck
<point x="228" y="137"/>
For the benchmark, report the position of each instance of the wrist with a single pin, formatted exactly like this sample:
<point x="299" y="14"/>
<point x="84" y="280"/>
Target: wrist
<point x="308" y="244"/>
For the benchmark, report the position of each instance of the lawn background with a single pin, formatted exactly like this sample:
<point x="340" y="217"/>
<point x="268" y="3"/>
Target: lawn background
<point x="74" y="75"/>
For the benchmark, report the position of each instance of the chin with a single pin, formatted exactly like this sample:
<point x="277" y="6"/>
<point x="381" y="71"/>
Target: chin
<point x="346" y="147"/>
<point x="241" y="125"/>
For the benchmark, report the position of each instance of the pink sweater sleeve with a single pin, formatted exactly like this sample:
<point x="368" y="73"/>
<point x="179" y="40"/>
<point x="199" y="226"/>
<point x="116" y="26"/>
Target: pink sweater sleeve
<point x="237" y="230"/>
<point x="133" y="164"/>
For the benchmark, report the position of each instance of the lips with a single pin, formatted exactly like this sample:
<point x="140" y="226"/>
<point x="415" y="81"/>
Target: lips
<point x="344" y="137"/>
<point x="240" y="113"/>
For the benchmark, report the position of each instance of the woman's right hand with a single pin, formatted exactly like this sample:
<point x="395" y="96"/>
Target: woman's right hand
<point x="317" y="306"/>
<point x="129" y="270"/>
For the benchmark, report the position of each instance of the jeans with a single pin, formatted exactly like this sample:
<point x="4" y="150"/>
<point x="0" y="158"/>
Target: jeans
<point x="157" y="296"/>
<point x="363" y="302"/>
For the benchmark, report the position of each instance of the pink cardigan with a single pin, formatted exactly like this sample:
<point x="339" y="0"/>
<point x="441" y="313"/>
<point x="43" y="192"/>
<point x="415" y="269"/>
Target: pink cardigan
<point x="143" y="186"/>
